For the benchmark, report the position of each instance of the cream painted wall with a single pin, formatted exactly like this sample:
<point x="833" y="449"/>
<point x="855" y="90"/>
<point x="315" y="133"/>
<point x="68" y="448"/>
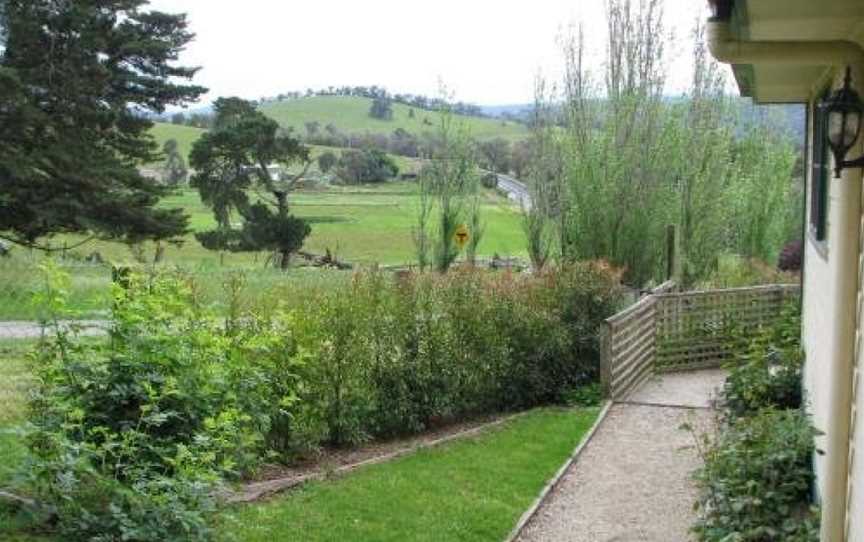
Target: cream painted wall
<point x="817" y="340"/>
<point x="817" y="336"/>
<point x="855" y="505"/>
<point x="855" y="488"/>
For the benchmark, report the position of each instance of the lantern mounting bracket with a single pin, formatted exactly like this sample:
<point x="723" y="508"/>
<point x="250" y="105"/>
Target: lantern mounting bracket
<point x="846" y="164"/>
<point x="844" y="110"/>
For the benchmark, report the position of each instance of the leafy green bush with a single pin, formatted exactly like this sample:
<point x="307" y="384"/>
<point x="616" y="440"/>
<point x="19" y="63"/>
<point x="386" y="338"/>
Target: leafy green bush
<point x="385" y="357"/>
<point x="131" y="436"/>
<point x="757" y="477"/>
<point x="366" y="166"/>
<point x="767" y="372"/>
<point x="755" y="485"/>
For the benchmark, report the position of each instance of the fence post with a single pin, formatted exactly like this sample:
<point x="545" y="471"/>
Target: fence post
<point x="670" y="251"/>
<point x="606" y="359"/>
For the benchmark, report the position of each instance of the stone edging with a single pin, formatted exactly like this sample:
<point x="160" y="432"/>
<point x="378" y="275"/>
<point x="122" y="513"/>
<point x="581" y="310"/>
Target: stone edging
<point x="538" y="502"/>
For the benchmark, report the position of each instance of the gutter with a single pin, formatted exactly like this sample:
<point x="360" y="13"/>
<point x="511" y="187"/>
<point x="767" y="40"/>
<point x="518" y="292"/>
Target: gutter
<point x="727" y="48"/>
<point x="845" y="243"/>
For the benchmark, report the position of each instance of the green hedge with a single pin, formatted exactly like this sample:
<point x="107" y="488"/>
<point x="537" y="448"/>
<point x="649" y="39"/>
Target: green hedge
<point x="131" y="437"/>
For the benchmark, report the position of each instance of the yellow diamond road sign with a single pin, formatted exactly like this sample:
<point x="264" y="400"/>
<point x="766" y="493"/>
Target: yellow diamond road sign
<point x="462" y="236"/>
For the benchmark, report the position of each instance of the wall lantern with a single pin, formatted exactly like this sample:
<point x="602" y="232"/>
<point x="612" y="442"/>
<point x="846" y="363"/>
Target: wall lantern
<point x="844" y="110"/>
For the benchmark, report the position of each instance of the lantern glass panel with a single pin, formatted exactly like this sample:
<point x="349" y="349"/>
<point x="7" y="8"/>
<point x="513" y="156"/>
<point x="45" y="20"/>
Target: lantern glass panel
<point x="843" y="127"/>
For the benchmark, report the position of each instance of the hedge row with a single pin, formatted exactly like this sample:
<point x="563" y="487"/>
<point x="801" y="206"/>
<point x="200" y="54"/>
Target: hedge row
<point x="131" y="437"/>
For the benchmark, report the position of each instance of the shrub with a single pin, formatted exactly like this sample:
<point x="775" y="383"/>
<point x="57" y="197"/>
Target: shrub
<point x="733" y="271"/>
<point x="366" y="166"/>
<point x="131" y="436"/>
<point x="757" y="477"/>
<point x="384" y="357"/>
<point x="756" y="481"/>
<point x="327" y="161"/>
<point x="767" y="372"/>
<point x="489" y="180"/>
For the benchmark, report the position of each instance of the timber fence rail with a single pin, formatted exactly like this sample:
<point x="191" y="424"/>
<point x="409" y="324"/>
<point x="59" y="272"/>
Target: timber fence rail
<point x="674" y="331"/>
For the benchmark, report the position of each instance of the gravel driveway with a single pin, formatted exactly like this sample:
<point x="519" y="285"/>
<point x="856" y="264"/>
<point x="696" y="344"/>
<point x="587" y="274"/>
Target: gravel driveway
<point x="632" y="482"/>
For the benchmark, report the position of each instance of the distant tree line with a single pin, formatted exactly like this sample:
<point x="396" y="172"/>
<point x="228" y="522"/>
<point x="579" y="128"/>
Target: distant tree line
<point x="497" y="154"/>
<point x="375" y="92"/>
<point x="381" y="106"/>
<point x="196" y="120"/>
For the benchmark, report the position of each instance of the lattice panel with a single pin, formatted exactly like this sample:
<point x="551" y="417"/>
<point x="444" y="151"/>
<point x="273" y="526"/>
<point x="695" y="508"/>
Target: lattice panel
<point x="701" y="329"/>
<point x="669" y="331"/>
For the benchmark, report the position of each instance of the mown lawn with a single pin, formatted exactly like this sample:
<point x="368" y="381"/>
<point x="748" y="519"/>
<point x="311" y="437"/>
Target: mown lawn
<point x="470" y="490"/>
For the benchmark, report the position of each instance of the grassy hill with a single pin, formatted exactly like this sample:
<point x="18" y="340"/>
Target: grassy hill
<point x="351" y="114"/>
<point x="185" y="135"/>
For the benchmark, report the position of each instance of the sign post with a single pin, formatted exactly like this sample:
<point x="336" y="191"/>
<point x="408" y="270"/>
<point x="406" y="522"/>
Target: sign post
<point x="462" y="236"/>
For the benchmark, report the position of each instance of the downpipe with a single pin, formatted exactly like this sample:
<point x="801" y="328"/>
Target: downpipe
<point x="844" y="247"/>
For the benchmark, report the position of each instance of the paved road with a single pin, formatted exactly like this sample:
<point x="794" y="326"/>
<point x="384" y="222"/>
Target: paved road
<point x="516" y="190"/>
<point x="28" y="329"/>
<point x="632" y="482"/>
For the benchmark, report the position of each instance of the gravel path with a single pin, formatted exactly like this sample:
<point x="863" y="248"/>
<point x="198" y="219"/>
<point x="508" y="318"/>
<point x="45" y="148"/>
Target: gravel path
<point x="27" y="329"/>
<point x="632" y="482"/>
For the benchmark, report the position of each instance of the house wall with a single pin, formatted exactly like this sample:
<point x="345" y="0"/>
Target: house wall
<point x="822" y="307"/>
<point x="855" y="486"/>
<point x="819" y="318"/>
<point x="818" y="295"/>
<point x="855" y="490"/>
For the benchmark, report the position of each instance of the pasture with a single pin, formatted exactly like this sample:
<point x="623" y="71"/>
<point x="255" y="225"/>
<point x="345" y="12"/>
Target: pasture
<point x="363" y="225"/>
<point x="351" y="115"/>
<point x="187" y="135"/>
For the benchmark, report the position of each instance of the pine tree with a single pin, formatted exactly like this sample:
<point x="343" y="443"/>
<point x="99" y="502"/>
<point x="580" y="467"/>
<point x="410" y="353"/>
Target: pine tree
<point x="76" y="78"/>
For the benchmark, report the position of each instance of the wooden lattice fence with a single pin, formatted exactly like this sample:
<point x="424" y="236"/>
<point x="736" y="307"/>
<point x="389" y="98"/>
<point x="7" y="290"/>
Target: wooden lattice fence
<point x="628" y="345"/>
<point x="674" y="331"/>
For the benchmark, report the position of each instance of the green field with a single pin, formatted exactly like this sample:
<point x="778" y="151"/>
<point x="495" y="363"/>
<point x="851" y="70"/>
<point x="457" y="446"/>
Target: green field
<point x="187" y="135"/>
<point x="351" y="115"/>
<point x="184" y="135"/>
<point x="359" y="224"/>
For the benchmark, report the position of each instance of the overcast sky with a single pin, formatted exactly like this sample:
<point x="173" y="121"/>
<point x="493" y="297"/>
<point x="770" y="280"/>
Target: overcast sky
<point x="485" y="51"/>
